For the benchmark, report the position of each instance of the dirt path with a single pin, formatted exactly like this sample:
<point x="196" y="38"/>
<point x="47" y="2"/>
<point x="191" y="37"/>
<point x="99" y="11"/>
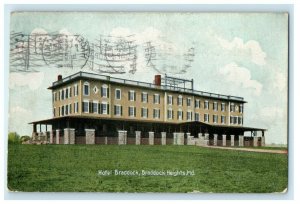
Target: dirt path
<point x="273" y="151"/>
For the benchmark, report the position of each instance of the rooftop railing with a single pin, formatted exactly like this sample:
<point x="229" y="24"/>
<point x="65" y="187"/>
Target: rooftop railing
<point x="145" y="84"/>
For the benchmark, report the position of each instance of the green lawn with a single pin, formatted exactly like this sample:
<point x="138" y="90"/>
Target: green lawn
<point x="75" y="168"/>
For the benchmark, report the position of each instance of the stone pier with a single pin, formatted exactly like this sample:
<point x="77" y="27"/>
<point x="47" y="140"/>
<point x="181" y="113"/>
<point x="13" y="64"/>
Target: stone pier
<point x="232" y="140"/>
<point x="122" y="137"/>
<point x="163" y="138"/>
<point x="51" y="137"/>
<point x="224" y="140"/>
<point x="137" y="137"/>
<point x="90" y="136"/>
<point x="151" y="138"/>
<point x="190" y="139"/>
<point x="241" y="140"/>
<point x="215" y="139"/>
<point x="255" y="141"/>
<point x="57" y="136"/>
<point x="263" y="142"/>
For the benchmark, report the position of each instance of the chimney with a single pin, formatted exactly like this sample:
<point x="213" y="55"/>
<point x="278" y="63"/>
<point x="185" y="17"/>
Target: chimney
<point x="59" y="77"/>
<point x="157" y="80"/>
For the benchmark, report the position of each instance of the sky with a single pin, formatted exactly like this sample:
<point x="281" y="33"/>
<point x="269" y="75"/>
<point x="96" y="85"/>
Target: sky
<point x="239" y="54"/>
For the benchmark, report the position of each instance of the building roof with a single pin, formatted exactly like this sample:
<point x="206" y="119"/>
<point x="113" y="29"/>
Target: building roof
<point x="85" y="75"/>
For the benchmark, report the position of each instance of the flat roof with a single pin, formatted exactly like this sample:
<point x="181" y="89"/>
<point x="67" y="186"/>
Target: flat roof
<point x="86" y="75"/>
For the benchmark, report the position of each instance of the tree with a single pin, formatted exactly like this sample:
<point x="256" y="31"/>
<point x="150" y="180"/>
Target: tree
<point x="13" y="138"/>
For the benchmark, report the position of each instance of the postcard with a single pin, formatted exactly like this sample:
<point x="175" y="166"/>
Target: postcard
<point x="183" y="102"/>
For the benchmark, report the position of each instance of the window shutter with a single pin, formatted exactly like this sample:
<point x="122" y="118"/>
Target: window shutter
<point x="91" y="107"/>
<point x="191" y="116"/>
<point x="101" y="91"/>
<point x="115" y="111"/>
<point x="128" y="95"/>
<point x="159" y="113"/>
<point x="82" y="106"/>
<point x="153" y="113"/>
<point x="134" y="96"/>
<point x="134" y="111"/>
<point x="142" y="97"/>
<point x="100" y="108"/>
<point x="172" y="114"/>
<point x="141" y="112"/>
<point x="147" y="100"/>
<point x="108" y="109"/>
<point x="121" y="110"/>
<point x="128" y="111"/>
<point x="159" y="99"/>
<point x="147" y="112"/>
<point x="182" y="115"/>
<point x="177" y="114"/>
<point x="70" y="108"/>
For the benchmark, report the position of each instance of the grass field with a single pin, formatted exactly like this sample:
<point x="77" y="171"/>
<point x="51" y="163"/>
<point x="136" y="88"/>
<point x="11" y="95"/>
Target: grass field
<point x="75" y="168"/>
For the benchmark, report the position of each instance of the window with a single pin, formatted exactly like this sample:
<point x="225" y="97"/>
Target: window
<point x="54" y="97"/>
<point x="62" y="94"/>
<point x="231" y="107"/>
<point x="104" y="108"/>
<point x="86" y="89"/>
<point x="241" y="108"/>
<point x="215" y="118"/>
<point x="223" y="107"/>
<point x="170" y="99"/>
<point x="76" y="90"/>
<point x="70" y="108"/>
<point x="85" y="106"/>
<point x="118" y="94"/>
<point x="53" y="112"/>
<point x="70" y="92"/>
<point x="63" y="110"/>
<point x="131" y="95"/>
<point x="144" y="97"/>
<point x="188" y="101"/>
<point x="197" y="117"/>
<point x="179" y="115"/>
<point x="95" y="107"/>
<point x="76" y="107"/>
<point x="67" y="93"/>
<point x="131" y="111"/>
<point x="59" y="111"/>
<point x="179" y="100"/>
<point x="231" y="120"/>
<point x="156" y="113"/>
<point x="95" y="89"/>
<point x="170" y="114"/>
<point x="59" y="95"/>
<point x="206" y="105"/>
<point x="206" y="117"/>
<point x="215" y="106"/>
<point x="156" y="98"/>
<point x="235" y="120"/>
<point x="223" y="119"/>
<point x="104" y="91"/>
<point x="66" y="109"/>
<point x="144" y="112"/>
<point x="118" y="110"/>
<point x="240" y="120"/>
<point x="197" y="103"/>
<point x="189" y="116"/>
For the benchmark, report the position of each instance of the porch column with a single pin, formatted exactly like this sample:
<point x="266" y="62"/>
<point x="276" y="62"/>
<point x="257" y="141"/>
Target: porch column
<point x="241" y="140"/>
<point x="66" y="136"/>
<point x="89" y="136"/>
<point x="151" y="138"/>
<point x="232" y="140"/>
<point x="180" y="138"/>
<point x="215" y="139"/>
<point x="255" y="141"/>
<point x="163" y="138"/>
<point x="137" y="137"/>
<point x="224" y="140"/>
<point x="51" y="137"/>
<point x="72" y="135"/>
<point x="174" y="138"/>
<point x="57" y="136"/>
<point x="206" y="139"/>
<point x="190" y="139"/>
<point x="263" y="142"/>
<point x="122" y="135"/>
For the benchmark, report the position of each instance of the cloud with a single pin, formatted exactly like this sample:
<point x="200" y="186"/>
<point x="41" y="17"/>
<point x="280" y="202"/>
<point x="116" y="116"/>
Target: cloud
<point x="271" y="113"/>
<point x="240" y="76"/>
<point x="32" y="80"/>
<point x="251" y="48"/>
